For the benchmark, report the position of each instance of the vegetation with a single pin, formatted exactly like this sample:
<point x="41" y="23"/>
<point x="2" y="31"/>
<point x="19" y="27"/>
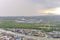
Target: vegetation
<point x="40" y="26"/>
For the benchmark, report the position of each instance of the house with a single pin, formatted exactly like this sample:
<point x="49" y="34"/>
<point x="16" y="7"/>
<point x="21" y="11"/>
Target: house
<point x="54" y="34"/>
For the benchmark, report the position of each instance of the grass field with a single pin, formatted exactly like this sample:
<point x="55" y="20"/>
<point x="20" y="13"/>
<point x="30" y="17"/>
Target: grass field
<point x="40" y="26"/>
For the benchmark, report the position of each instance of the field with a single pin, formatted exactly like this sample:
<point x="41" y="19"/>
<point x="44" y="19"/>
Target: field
<point x="40" y="26"/>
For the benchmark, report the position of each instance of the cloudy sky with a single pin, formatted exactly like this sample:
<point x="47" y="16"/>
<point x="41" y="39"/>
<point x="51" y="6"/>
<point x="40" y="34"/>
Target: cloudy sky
<point x="27" y="7"/>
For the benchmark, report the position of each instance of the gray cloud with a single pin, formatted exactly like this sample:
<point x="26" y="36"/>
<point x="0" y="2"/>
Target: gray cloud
<point x="16" y="8"/>
<point x="48" y="3"/>
<point x="25" y="7"/>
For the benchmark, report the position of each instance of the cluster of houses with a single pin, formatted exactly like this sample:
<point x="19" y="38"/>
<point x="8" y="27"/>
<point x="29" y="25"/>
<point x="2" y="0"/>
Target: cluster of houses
<point x="30" y="32"/>
<point x="37" y="33"/>
<point x="7" y="36"/>
<point x="54" y="34"/>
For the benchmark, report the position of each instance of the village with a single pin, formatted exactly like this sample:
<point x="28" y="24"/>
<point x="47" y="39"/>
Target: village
<point x="27" y="34"/>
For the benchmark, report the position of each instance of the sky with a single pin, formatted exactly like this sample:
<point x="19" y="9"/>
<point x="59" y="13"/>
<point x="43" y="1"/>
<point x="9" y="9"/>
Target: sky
<point x="28" y="7"/>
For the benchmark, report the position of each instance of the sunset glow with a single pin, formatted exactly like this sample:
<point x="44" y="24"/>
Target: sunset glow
<point x="55" y="11"/>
